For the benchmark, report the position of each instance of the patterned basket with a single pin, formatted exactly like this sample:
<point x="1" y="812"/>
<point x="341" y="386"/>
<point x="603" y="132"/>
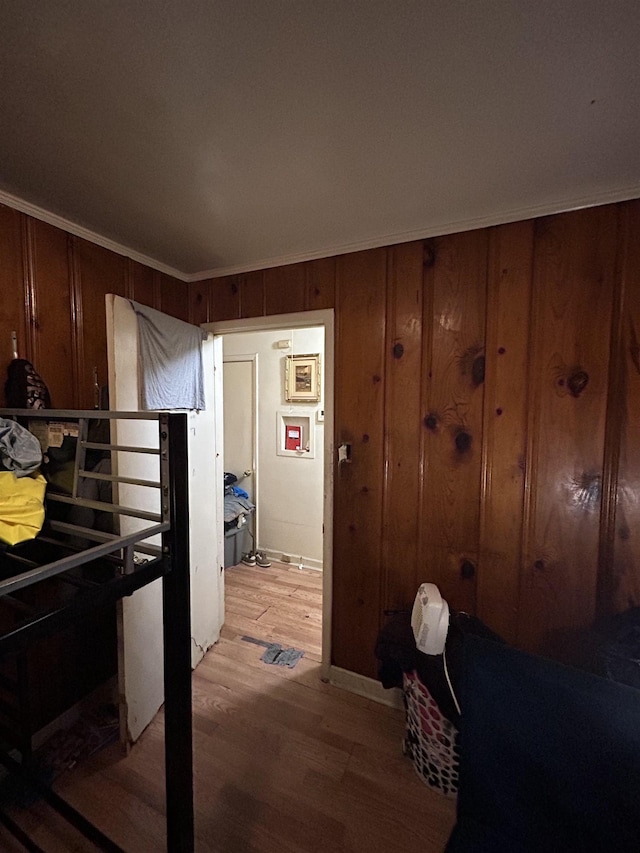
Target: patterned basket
<point x="431" y="740"/>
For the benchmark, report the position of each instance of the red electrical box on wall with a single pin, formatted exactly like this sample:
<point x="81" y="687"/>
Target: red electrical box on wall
<point x="293" y="438"/>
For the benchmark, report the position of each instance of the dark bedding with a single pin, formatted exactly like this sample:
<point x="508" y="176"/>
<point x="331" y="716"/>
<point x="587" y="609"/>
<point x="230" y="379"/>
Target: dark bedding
<point x="550" y="757"/>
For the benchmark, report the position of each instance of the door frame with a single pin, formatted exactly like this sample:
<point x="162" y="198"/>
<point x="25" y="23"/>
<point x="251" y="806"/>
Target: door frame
<point x="301" y="320"/>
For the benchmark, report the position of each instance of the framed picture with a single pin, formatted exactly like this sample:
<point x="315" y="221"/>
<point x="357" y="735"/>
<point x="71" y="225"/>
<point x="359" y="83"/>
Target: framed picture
<point x="302" y="378"/>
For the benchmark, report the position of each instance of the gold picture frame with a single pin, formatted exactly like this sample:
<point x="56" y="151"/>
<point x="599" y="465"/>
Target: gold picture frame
<point x="302" y="378"/>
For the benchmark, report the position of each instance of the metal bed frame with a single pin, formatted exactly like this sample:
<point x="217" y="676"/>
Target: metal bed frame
<point x="170" y="562"/>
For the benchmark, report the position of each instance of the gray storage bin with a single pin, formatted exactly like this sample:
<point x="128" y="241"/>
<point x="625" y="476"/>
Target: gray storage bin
<point x="235" y="545"/>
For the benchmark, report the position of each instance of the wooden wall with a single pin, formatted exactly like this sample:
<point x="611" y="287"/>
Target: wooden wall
<point x="489" y="383"/>
<point x="53" y="287"/>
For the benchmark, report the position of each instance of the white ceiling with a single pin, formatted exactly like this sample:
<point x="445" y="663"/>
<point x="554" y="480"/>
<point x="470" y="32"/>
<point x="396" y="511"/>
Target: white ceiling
<point x="216" y="135"/>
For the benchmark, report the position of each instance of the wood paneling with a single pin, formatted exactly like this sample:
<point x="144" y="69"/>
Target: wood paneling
<point x="53" y="287"/>
<point x="505" y="426"/>
<point x="321" y="284"/>
<point x="359" y="407"/>
<point x="285" y="289"/>
<point x="97" y="272"/>
<point x="498" y="428"/>
<point x="252" y="294"/>
<point x="12" y="301"/>
<point x="281" y="290"/>
<point x="453" y="382"/>
<point x="143" y="284"/>
<point x="489" y="385"/>
<point x="224" y="299"/>
<point x="199" y="295"/>
<point x="574" y="272"/>
<point x="52" y="348"/>
<point x="619" y="586"/>
<point x="402" y="474"/>
<point x="174" y="297"/>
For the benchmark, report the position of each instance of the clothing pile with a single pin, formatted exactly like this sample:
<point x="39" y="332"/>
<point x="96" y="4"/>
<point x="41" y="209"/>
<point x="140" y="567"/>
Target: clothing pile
<point x="22" y="487"/>
<point x="238" y="509"/>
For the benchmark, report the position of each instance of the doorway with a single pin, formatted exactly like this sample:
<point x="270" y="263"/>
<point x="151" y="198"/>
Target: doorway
<point x="288" y="335"/>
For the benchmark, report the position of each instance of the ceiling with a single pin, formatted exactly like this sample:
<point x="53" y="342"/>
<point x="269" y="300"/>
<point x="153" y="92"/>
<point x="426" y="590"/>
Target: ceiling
<point x="210" y="136"/>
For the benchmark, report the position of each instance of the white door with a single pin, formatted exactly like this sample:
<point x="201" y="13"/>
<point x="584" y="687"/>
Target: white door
<point x="140" y="669"/>
<point x="240" y="420"/>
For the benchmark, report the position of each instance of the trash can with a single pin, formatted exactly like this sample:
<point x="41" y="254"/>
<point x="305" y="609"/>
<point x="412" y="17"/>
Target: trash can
<point x="235" y="544"/>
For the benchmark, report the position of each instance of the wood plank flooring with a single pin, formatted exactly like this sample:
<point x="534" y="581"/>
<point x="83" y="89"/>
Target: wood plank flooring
<point x="283" y="763"/>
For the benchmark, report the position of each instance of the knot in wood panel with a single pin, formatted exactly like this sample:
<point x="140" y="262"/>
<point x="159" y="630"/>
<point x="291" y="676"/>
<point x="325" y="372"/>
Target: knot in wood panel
<point x="398" y="350"/>
<point x="623" y="532"/>
<point x="570" y="379"/>
<point x="431" y="422"/>
<point x="467" y="569"/>
<point x="585" y="491"/>
<point x="577" y="382"/>
<point x="463" y="441"/>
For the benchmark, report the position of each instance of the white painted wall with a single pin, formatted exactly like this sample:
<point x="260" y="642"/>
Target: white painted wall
<point x="289" y="489"/>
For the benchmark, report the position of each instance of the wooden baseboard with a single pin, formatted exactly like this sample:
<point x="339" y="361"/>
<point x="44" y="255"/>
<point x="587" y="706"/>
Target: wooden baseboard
<point x="364" y="686"/>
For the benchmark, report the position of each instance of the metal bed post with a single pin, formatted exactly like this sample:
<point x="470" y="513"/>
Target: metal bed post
<point x="171" y="562"/>
<point x="176" y="603"/>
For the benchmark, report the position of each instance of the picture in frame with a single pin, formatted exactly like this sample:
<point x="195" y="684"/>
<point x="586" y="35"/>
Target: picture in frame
<point x="302" y="378"/>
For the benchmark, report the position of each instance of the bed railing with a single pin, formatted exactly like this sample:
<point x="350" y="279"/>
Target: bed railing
<point x="136" y="562"/>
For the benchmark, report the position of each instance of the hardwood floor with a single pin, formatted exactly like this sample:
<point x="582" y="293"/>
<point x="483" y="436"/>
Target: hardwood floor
<point x="283" y="763"/>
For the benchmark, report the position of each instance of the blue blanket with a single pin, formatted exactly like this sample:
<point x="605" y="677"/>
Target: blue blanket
<point x="171" y="361"/>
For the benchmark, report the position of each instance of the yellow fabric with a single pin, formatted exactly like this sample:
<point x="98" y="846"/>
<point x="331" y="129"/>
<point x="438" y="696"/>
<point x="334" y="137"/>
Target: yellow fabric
<point x="21" y="507"/>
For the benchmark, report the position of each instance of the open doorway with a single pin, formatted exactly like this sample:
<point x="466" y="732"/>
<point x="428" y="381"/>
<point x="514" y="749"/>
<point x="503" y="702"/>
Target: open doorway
<point x="273" y="463"/>
<point x="286" y="473"/>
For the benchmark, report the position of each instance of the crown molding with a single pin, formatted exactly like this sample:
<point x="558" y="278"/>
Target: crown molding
<point x="433" y="230"/>
<point x="80" y="231"/>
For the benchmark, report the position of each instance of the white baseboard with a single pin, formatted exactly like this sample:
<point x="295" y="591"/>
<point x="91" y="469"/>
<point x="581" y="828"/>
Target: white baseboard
<point x="305" y="562"/>
<point x="364" y="686"/>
